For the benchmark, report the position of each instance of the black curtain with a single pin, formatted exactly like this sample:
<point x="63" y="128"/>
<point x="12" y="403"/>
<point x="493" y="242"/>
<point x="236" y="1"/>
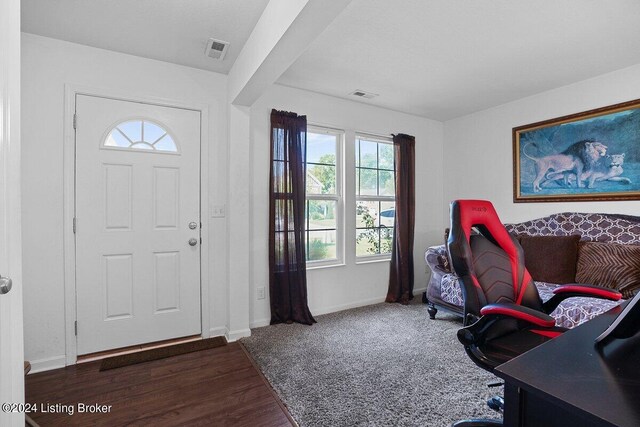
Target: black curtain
<point x="401" y="271"/>
<point x="287" y="262"/>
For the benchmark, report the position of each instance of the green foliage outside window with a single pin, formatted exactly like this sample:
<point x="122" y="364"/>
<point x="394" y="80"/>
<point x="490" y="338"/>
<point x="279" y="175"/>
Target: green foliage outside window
<point x="369" y="177"/>
<point x="381" y="245"/>
<point x="326" y="175"/>
<point x="317" y="250"/>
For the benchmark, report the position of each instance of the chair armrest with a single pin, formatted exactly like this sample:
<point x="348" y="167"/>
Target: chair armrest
<point x="475" y="333"/>
<point x="519" y="312"/>
<point x="563" y="292"/>
<point x="589" y="291"/>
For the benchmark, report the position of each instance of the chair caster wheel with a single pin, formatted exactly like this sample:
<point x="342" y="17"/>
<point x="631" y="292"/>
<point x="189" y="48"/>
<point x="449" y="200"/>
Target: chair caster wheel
<point x="496" y="403"/>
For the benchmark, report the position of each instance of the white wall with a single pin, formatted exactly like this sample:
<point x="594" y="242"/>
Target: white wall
<point x="47" y="65"/>
<point x="341" y="287"/>
<point x="478" y="147"/>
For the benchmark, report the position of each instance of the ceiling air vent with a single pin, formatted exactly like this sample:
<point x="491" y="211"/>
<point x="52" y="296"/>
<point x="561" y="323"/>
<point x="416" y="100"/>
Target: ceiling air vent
<point x="362" y="94"/>
<point x="216" y="49"/>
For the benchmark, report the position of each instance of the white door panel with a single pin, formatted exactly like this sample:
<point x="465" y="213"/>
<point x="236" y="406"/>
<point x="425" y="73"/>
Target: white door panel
<point x="137" y="276"/>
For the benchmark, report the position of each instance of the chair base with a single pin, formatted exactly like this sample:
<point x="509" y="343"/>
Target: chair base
<point x="496" y="403"/>
<point x="477" y="423"/>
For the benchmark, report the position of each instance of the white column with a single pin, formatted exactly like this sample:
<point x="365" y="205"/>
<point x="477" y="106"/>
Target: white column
<point x="239" y="237"/>
<point x="283" y="32"/>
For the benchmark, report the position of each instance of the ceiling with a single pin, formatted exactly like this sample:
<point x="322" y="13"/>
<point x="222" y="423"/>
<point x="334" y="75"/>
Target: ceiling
<point x="439" y="59"/>
<point x="446" y="58"/>
<point x="167" y="30"/>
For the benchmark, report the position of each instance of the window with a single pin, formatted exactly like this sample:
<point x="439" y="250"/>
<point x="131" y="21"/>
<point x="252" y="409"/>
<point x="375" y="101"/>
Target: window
<point x="140" y="135"/>
<point x="375" y="196"/>
<point x="323" y="210"/>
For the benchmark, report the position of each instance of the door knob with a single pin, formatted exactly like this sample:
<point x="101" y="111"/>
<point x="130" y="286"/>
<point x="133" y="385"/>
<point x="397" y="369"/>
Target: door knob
<point x="5" y="285"/>
<point x="193" y="225"/>
<point x="193" y="241"/>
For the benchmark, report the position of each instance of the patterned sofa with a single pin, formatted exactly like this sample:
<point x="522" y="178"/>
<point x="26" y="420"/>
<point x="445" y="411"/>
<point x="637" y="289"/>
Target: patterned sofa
<point x="444" y="292"/>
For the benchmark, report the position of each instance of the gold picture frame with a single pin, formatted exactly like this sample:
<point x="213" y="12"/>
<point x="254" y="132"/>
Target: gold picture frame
<point x="602" y="146"/>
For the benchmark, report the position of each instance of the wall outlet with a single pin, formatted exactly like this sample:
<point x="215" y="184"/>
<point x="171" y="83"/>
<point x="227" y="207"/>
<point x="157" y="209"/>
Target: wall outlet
<point x="218" y="211"/>
<point x="260" y="292"/>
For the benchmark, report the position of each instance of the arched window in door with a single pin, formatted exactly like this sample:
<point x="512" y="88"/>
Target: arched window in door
<point x="140" y="135"/>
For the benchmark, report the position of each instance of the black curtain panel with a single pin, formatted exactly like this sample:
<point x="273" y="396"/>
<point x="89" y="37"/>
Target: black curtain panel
<point x="401" y="272"/>
<point x="287" y="262"/>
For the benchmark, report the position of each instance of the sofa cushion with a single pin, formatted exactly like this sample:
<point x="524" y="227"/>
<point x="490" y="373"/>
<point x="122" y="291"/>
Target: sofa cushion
<point x="569" y="314"/>
<point x="574" y="311"/>
<point x="611" y="265"/>
<point x="551" y="259"/>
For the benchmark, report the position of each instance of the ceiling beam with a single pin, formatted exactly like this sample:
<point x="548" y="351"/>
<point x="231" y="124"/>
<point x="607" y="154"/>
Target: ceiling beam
<point x="282" y="34"/>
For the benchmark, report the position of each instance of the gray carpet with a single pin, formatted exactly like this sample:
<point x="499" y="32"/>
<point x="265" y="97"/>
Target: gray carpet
<point x="381" y="365"/>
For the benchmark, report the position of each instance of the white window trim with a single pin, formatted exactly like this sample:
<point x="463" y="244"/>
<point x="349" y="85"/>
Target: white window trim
<point x="367" y="259"/>
<point x="130" y="148"/>
<point x="338" y="197"/>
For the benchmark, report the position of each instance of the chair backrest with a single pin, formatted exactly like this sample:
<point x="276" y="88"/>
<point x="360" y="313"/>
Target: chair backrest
<point x="490" y="264"/>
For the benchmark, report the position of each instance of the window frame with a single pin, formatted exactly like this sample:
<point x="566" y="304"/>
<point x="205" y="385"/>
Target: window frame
<point x="338" y="197"/>
<point x="116" y="127"/>
<point x="378" y="139"/>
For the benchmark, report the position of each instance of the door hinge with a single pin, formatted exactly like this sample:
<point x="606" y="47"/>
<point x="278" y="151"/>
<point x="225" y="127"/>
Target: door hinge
<point x="201" y="240"/>
<point x="74" y="225"/>
<point x="76" y="327"/>
<point x="75" y="121"/>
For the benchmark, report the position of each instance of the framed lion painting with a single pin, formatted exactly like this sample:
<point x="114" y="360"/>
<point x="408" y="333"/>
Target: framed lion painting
<point x="594" y="155"/>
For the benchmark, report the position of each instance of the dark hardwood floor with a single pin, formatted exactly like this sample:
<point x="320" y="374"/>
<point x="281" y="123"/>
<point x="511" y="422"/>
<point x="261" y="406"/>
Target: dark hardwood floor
<point x="216" y="387"/>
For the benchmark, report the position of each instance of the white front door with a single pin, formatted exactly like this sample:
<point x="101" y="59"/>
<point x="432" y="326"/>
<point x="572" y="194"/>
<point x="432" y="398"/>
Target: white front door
<point x="137" y="223"/>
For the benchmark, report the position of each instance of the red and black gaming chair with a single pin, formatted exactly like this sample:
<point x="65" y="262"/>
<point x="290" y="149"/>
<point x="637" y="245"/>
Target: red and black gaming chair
<point x="503" y="313"/>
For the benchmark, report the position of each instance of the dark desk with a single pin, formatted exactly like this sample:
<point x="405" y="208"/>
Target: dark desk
<point x="566" y="382"/>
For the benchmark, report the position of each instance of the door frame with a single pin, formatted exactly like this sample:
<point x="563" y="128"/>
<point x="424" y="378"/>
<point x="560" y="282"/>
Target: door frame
<point x="69" y="166"/>
<point x="12" y="361"/>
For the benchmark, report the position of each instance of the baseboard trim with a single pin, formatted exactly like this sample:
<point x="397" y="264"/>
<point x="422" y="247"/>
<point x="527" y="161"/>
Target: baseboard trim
<point x="236" y="335"/>
<point x="259" y="323"/>
<point x="266" y="322"/>
<point x="342" y="307"/>
<point x="221" y="331"/>
<point x="47" y="364"/>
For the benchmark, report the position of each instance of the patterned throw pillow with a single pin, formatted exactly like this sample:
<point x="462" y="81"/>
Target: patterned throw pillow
<point x="551" y="259"/>
<point x="611" y="265"/>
